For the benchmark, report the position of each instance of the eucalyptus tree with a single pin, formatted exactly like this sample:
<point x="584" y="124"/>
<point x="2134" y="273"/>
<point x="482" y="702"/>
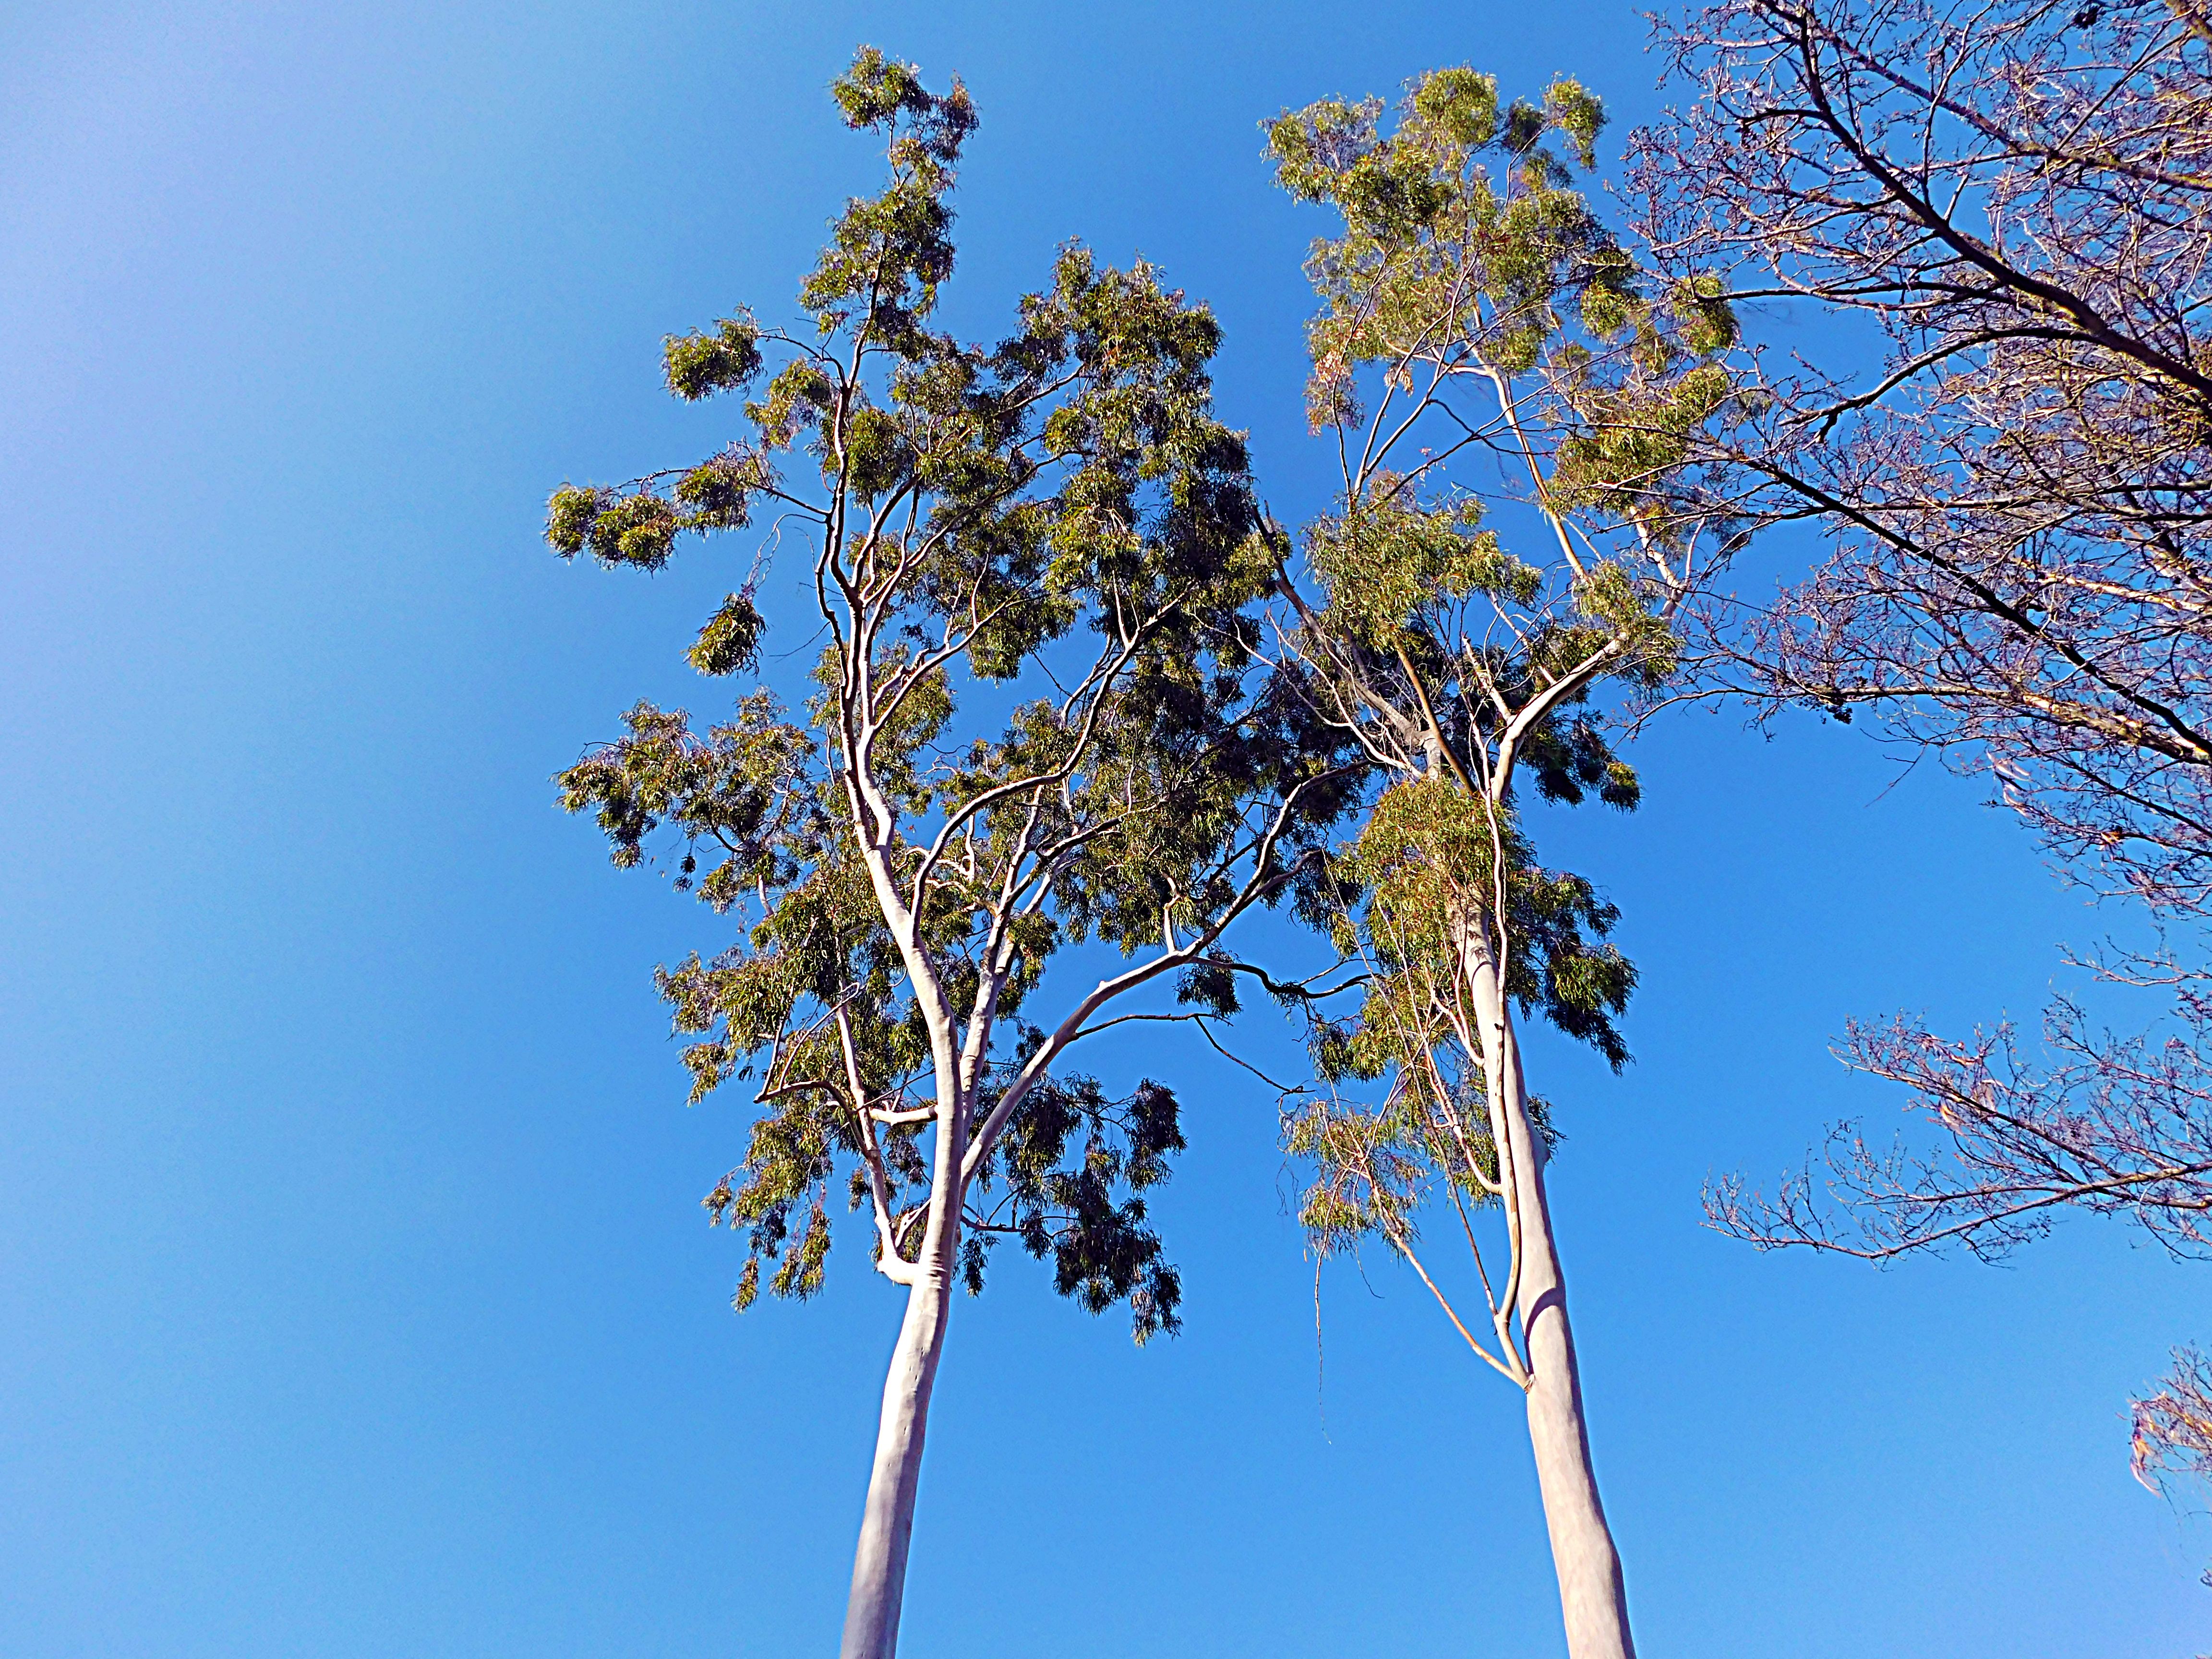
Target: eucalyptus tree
<point x="1036" y="566"/>
<point x="1482" y="333"/>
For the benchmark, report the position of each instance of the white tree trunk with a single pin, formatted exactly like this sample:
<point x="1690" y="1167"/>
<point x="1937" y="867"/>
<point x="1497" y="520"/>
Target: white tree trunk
<point x="1592" y="1598"/>
<point x="872" y="1616"/>
<point x="872" y="1612"/>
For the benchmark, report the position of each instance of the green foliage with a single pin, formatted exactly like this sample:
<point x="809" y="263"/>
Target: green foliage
<point x="1467" y="252"/>
<point x="1103" y="1252"/>
<point x="1387" y="562"/>
<point x="1039" y="563"/>
<point x="1707" y="319"/>
<point x="638" y="527"/>
<point x="1375" y="1168"/>
<point x="1460" y="105"/>
<point x="730" y="643"/>
<point x="1475" y="306"/>
<point x="1437" y="862"/>
<point x="1476" y="298"/>
<point x="879" y="94"/>
<point x="1442" y="264"/>
<point x="635" y="529"/>
<point x="1626" y="438"/>
<point x="700" y="365"/>
<point x="1573" y="112"/>
<point x="745" y="788"/>
<point x="889" y="253"/>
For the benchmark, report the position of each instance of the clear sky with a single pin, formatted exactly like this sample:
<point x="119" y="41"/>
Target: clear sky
<point x="354" y="1298"/>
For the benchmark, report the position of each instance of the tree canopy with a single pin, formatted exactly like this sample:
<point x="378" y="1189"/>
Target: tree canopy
<point x="1036" y="562"/>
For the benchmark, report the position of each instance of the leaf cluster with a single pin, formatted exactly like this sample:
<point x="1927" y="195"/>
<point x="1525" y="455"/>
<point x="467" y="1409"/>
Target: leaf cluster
<point x="1434" y="861"/>
<point x="1069" y="1156"/>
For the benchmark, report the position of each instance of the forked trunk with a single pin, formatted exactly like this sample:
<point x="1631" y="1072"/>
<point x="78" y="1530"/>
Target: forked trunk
<point x="1592" y="1598"/>
<point x="872" y="1616"/>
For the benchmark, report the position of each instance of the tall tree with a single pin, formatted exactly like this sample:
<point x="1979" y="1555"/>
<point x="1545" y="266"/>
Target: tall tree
<point x="1478" y="320"/>
<point x="2005" y="209"/>
<point x="1036" y="565"/>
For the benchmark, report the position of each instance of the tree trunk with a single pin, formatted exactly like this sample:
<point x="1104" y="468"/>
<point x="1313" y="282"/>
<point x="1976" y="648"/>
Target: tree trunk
<point x="871" y="1615"/>
<point x="879" y="1593"/>
<point x="1592" y="1598"/>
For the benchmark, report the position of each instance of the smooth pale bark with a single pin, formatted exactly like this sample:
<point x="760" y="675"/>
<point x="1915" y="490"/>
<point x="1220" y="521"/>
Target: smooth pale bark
<point x="1592" y="1598"/>
<point x="872" y="1611"/>
<point x="871" y="1615"/>
<point x="878" y="1592"/>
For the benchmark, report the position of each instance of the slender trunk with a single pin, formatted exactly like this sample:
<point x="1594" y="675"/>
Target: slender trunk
<point x="872" y="1616"/>
<point x="872" y="1612"/>
<point x="1592" y="1597"/>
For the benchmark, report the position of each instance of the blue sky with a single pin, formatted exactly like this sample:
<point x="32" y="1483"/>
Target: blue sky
<point x="354" y="1295"/>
